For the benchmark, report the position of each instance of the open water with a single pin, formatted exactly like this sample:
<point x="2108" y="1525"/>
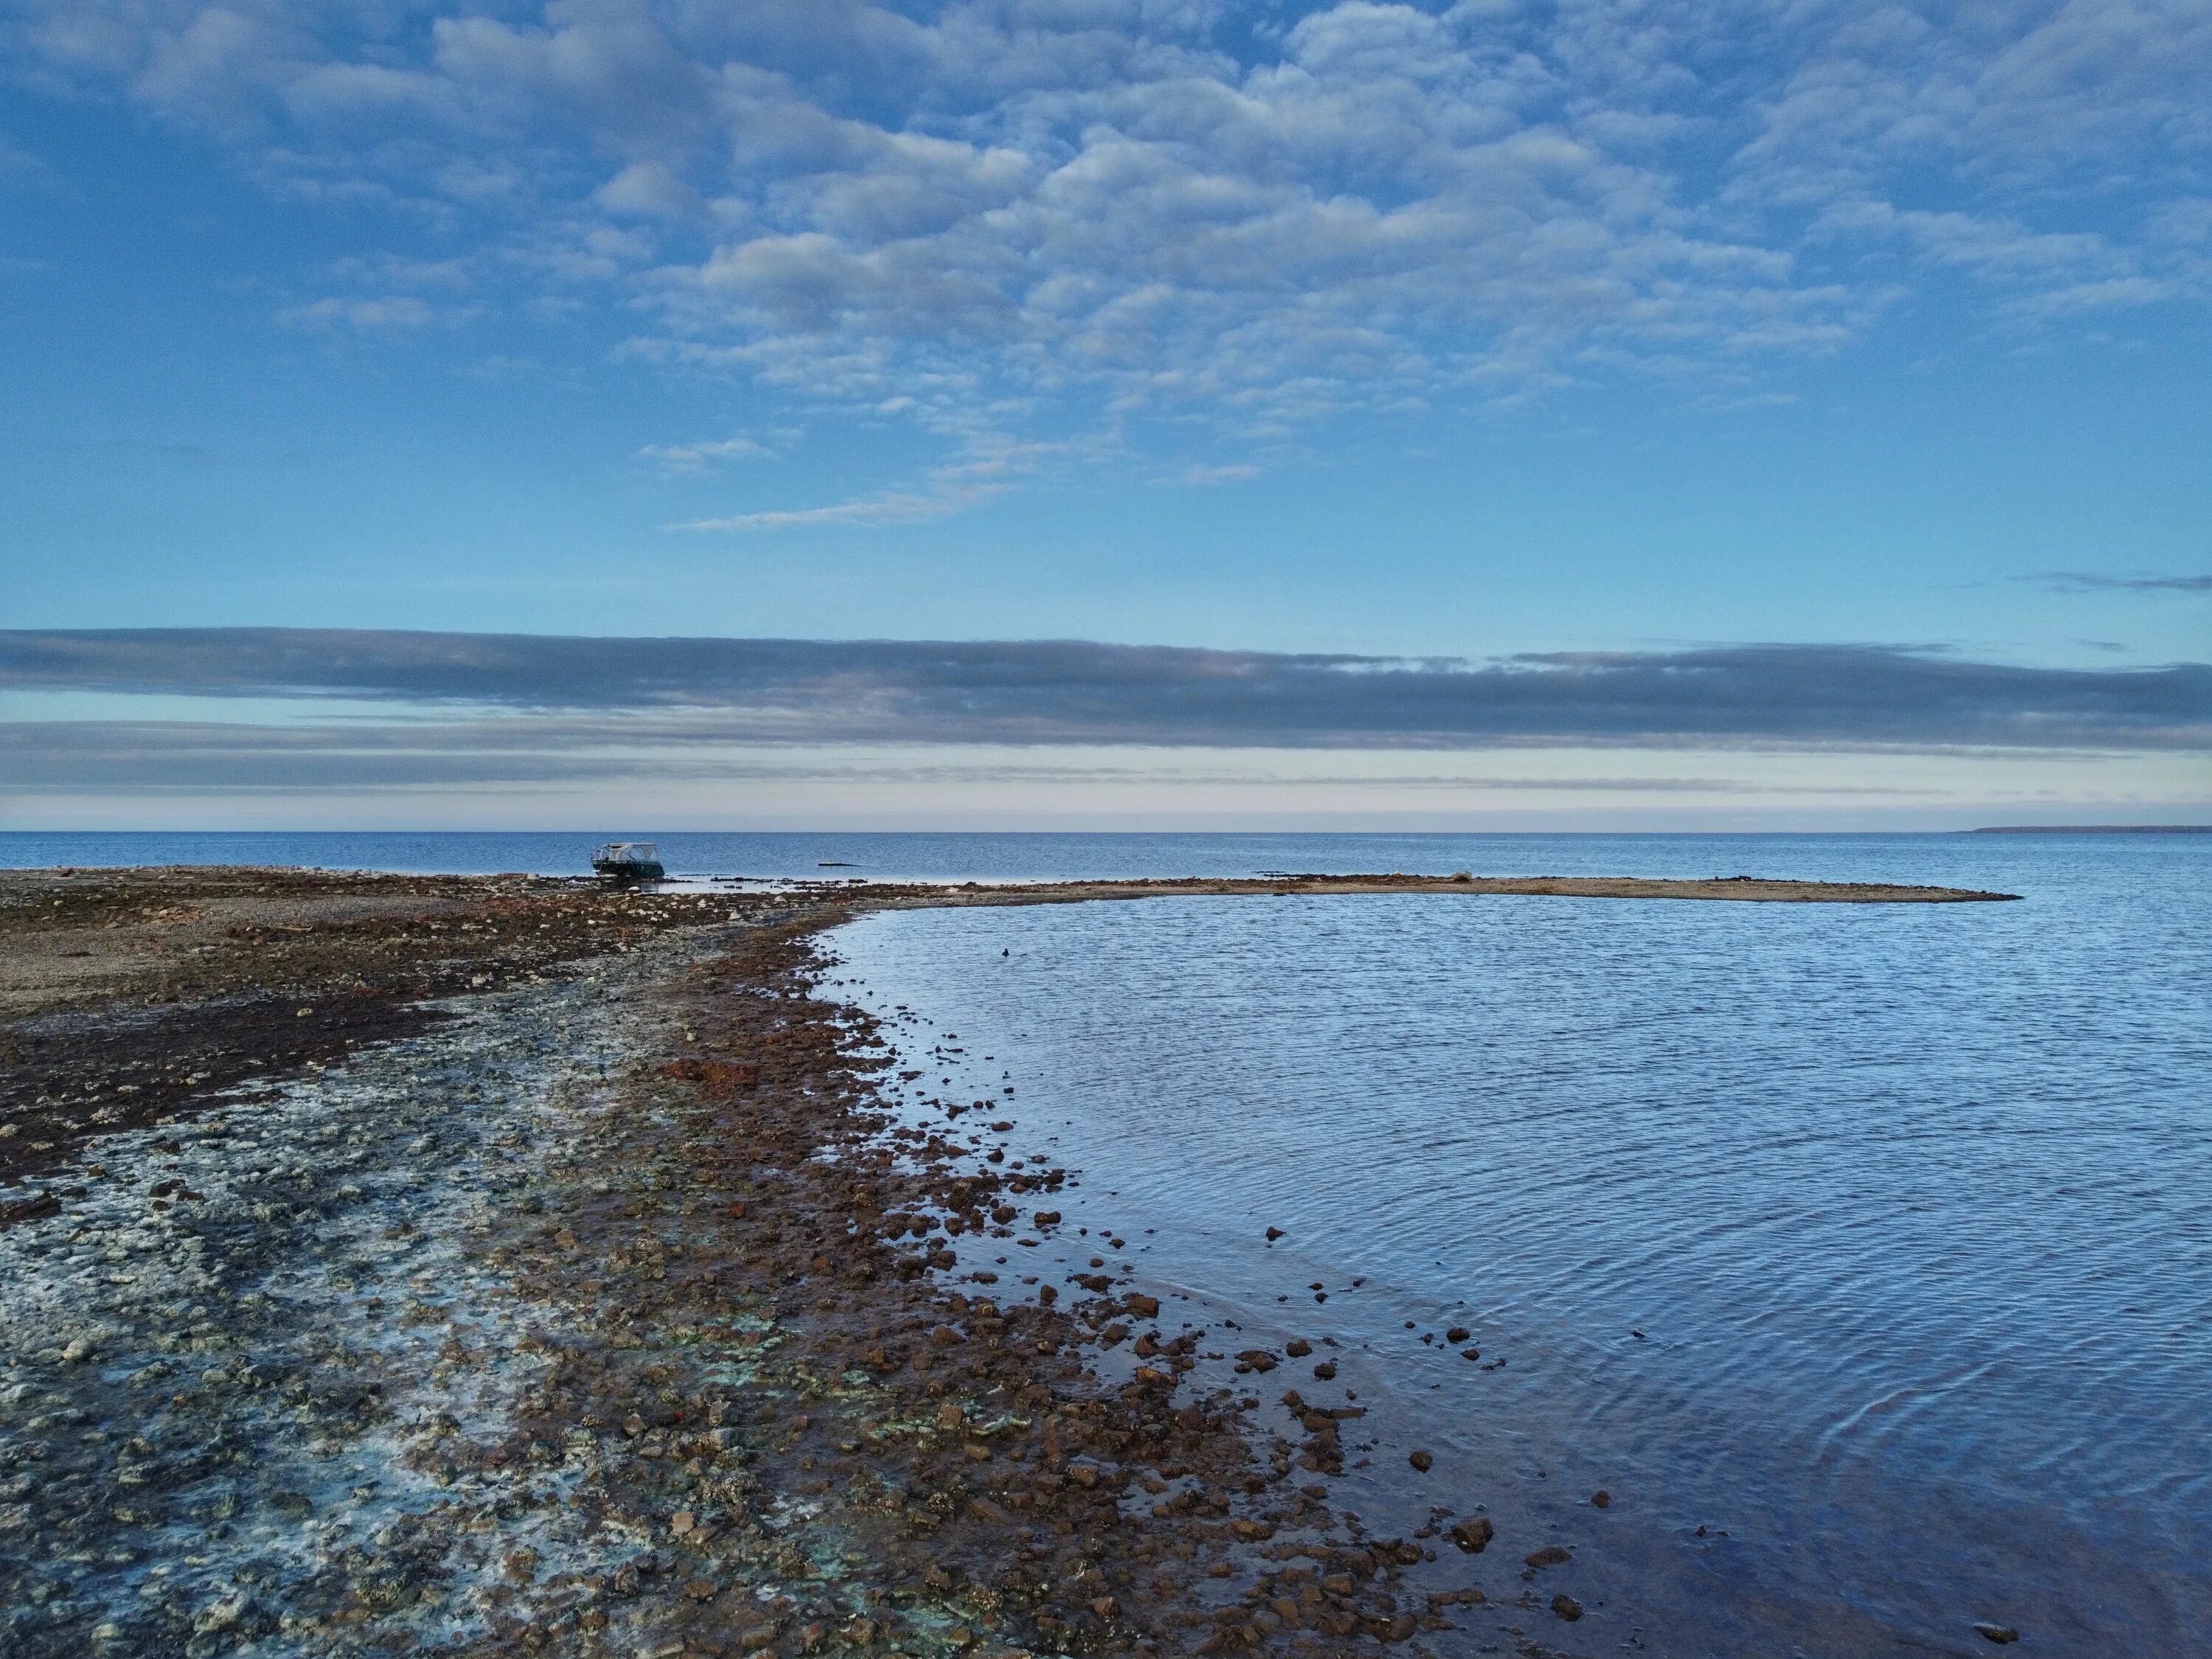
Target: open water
<point x="1862" y="1254"/>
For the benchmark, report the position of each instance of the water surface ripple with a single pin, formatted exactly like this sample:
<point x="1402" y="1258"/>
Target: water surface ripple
<point x="1877" y="1239"/>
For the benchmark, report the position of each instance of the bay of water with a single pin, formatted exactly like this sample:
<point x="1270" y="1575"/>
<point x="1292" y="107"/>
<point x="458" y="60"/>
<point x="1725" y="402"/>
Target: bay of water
<point x="1862" y="1253"/>
<point x="1873" y="1242"/>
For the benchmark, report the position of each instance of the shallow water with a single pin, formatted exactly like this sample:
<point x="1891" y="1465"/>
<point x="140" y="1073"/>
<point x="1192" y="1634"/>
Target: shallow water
<point x="1878" y="1239"/>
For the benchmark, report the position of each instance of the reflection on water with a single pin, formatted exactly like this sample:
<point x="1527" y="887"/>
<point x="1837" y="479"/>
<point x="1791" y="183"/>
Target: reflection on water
<point x="1876" y="1243"/>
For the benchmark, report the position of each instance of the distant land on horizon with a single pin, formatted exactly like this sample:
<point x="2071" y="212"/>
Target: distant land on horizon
<point x="2093" y="829"/>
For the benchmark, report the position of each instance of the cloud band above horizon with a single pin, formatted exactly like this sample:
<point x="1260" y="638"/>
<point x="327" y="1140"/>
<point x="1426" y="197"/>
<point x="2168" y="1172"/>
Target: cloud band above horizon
<point x="1074" y="692"/>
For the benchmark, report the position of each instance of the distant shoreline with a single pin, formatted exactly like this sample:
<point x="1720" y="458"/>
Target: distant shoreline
<point x="888" y="896"/>
<point x="2092" y="830"/>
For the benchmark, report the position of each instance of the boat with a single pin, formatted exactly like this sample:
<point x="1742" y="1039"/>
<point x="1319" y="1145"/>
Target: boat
<point x="629" y="861"/>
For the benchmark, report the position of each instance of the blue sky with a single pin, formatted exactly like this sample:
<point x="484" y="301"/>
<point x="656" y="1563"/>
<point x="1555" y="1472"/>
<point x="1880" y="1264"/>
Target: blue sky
<point x="1442" y="331"/>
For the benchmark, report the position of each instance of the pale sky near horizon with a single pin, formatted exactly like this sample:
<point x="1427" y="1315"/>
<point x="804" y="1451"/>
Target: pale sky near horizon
<point x="1469" y="331"/>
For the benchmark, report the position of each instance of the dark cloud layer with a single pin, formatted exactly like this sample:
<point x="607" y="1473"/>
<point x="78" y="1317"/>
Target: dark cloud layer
<point x="1078" y="693"/>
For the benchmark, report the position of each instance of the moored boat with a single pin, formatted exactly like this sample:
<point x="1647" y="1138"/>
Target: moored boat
<point x="629" y="861"/>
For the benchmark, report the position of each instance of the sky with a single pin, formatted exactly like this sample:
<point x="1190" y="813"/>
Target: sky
<point x="1421" y="396"/>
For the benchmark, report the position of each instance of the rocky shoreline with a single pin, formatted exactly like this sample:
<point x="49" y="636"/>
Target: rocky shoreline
<point x="590" y="1298"/>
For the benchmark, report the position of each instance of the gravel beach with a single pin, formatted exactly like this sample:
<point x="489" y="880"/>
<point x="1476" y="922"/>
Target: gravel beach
<point x="574" y="1294"/>
<point x="455" y="1265"/>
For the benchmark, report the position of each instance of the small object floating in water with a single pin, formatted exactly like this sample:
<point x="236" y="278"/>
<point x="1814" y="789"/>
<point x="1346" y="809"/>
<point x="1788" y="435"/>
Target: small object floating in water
<point x="1999" y="1633"/>
<point x="628" y="862"/>
<point x="835" y="864"/>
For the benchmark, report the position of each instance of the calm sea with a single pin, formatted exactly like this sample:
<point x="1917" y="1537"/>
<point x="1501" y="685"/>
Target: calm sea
<point x="1863" y="1255"/>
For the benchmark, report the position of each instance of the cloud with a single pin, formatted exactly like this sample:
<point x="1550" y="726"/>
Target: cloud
<point x="2082" y="581"/>
<point x="206" y="755"/>
<point x="703" y="457"/>
<point x="402" y="312"/>
<point x="1063" y="692"/>
<point x="893" y="507"/>
<point x="1202" y="476"/>
<point x="1099" y="211"/>
<point x="989" y="465"/>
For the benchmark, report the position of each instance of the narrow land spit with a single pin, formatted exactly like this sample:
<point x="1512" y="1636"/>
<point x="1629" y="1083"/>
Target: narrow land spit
<point x="445" y="1264"/>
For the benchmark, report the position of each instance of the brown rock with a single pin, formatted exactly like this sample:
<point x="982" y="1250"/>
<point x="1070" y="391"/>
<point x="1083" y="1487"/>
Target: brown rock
<point x="1550" y="1556"/>
<point x="1421" y="1461"/>
<point x="1473" y="1535"/>
<point x="1567" y="1607"/>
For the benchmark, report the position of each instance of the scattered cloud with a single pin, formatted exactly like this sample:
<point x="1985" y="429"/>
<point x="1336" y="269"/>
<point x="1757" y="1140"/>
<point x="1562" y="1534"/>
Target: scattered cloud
<point x="1201" y="476"/>
<point x="1078" y="693"/>
<point x="1086" y="213"/>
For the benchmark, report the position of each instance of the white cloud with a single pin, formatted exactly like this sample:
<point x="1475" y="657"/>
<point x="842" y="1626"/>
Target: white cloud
<point x="893" y="507"/>
<point x="703" y="457"/>
<point x="1102" y="208"/>
<point x="1202" y="476"/>
<point x="402" y="312"/>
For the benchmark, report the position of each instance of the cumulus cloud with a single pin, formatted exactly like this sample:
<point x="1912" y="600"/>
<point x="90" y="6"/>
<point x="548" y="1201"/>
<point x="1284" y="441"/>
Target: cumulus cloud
<point x="1066" y="692"/>
<point x="1257" y="215"/>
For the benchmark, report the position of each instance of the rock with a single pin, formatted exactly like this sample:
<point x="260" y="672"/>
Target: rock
<point x="1473" y="1535"/>
<point x="1142" y="1307"/>
<point x="79" y="1350"/>
<point x="1567" y="1607"/>
<point x="1274" y="1233"/>
<point x="1600" y="1499"/>
<point x="1457" y="1334"/>
<point x="759" y="1637"/>
<point x="1326" y="1369"/>
<point x="228" y="1614"/>
<point x="683" y="1524"/>
<point x="1998" y="1634"/>
<point x="1298" y="1348"/>
<point x="1550" y="1556"/>
<point x="1421" y="1461"/>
